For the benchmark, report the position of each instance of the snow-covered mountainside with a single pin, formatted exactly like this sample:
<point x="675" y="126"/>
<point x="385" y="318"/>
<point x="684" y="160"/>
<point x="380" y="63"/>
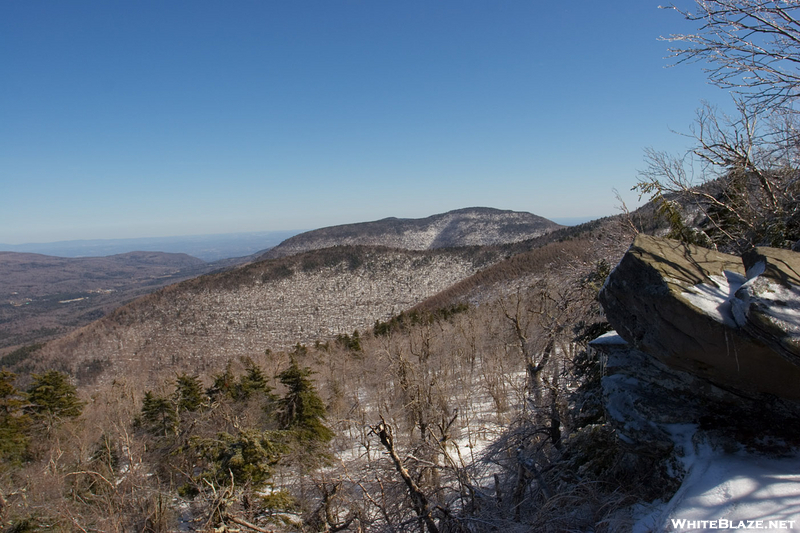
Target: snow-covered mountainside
<point x="463" y="227"/>
<point x="270" y="304"/>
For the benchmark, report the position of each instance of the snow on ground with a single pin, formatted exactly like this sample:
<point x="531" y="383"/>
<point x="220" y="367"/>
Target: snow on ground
<point x="478" y="425"/>
<point x="726" y="491"/>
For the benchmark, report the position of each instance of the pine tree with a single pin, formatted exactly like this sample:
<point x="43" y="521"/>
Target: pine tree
<point x="14" y="423"/>
<point x="189" y="395"/>
<point x="247" y="457"/>
<point x="301" y="409"/>
<point x="52" y="397"/>
<point x="253" y="382"/>
<point x="224" y="384"/>
<point x="159" y="413"/>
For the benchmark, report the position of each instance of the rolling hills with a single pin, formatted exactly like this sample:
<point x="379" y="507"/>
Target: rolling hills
<point x="450" y="379"/>
<point x="311" y="296"/>
<point x="45" y="297"/>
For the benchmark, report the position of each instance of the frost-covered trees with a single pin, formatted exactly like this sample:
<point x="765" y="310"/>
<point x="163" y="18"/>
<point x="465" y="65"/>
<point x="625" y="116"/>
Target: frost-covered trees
<point x="750" y="46"/>
<point x="740" y="181"/>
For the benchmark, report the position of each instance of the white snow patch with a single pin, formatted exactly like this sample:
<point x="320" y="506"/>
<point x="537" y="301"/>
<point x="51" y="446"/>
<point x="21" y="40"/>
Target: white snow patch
<point x="736" y="488"/>
<point x="611" y="338"/>
<point x="715" y="300"/>
<point x="783" y="304"/>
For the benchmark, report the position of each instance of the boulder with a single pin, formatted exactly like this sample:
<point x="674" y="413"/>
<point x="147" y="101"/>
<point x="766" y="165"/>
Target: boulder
<point x="685" y="306"/>
<point x="767" y="305"/>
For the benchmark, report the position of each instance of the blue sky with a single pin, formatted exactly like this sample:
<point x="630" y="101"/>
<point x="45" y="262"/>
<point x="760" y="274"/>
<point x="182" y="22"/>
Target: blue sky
<point x="152" y="118"/>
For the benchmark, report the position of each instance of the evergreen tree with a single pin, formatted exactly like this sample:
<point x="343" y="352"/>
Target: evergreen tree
<point x="14" y="423"/>
<point x="159" y="413"/>
<point x="355" y="341"/>
<point x="247" y="456"/>
<point x="224" y="384"/>
<point x="52" y="397"/>
<point x="350" y="343"/>
<point x="301" y="409"/>
<point x="189" y="395"/>
<point x="253" y="382"/>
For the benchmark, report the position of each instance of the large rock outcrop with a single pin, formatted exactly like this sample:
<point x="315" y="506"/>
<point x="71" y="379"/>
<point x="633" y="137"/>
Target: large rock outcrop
<point x="645" y="399"/>
<point x="731" y="323"/>
<point x="767" y="305"/>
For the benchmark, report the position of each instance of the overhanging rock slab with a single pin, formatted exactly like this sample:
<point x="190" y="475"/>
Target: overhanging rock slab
<point x="676" y="302"/>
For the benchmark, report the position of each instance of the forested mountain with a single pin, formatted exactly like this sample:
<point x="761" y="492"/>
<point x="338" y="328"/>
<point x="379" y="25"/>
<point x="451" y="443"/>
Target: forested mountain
<point x="43" y="297"/>
<point x="359" y="388"/>
<point x="269" y="304"/>
<point x="463" y="227"/>
<point x="635" y="373"/>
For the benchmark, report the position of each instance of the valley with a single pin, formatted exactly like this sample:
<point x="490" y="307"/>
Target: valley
<point x="429" y="345"/>
<point x="468" y="370"/>
<point x="42" y="297"/>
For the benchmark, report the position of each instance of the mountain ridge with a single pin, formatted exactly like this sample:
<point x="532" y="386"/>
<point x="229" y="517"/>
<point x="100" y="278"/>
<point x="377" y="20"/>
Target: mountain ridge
<point x="468" y="226"/>
<point x="43" y="297"/>
<point x="264" y="305"/>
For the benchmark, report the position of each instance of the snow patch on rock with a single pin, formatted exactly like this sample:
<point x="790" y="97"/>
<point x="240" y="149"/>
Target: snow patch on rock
<point x="716" y="300"/>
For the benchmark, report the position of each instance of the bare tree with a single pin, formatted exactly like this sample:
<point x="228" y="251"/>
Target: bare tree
<point x="738" y="187"/>
<point x="419" y="500"/>
<point x="752" y="46"/>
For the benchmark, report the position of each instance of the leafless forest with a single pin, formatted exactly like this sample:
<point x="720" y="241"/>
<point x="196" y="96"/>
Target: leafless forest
<point x="448" y="410"/>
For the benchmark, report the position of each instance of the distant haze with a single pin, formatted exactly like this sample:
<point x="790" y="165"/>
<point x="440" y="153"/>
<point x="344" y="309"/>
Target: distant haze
<point x="573" y="221"/>
<point x="206" y="247"/>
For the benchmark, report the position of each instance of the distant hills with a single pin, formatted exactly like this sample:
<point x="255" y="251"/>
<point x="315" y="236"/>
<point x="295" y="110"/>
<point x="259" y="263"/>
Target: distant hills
<point x="268" y="304"/>
<point x="473" y="226"/>
<point x="206" y="247"/>
<point x="42" y="296"/>
<point x="305" y="297"/>
<point x="463" y="227"/>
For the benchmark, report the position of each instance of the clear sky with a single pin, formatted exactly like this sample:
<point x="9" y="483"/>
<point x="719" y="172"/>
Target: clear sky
<point x="152" y="118"/>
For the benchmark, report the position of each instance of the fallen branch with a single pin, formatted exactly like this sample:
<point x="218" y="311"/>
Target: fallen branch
<point x="418" y="499"/>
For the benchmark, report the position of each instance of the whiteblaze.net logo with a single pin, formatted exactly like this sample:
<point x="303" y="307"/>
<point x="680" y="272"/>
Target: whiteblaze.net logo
<point x="723" y="523"/>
